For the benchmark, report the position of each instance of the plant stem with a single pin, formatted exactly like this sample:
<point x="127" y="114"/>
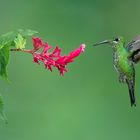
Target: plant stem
<point x="23" y="50"/>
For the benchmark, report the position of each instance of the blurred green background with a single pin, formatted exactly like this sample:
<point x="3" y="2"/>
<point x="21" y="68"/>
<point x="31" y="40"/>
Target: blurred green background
<point x="88" y="103"/>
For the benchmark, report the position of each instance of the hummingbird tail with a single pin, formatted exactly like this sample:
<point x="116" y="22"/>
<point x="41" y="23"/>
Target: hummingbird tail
<point x="130" y="84"/>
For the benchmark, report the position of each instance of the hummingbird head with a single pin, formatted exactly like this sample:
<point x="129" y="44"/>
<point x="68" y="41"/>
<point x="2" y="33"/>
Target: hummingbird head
<point x="113" y="42"/>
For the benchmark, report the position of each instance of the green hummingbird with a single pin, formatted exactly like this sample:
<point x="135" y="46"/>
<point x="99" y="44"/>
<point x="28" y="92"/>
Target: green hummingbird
<point x="124" y="58"/>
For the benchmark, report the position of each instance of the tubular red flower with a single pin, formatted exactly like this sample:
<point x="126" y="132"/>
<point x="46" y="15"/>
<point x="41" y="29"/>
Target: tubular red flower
<point x="54" y="58"/>
<point x="75" y="53"/>
<point x="37" y="43"/>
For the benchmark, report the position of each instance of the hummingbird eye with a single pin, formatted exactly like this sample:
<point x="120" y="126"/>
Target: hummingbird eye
<point x="116" y="39"/>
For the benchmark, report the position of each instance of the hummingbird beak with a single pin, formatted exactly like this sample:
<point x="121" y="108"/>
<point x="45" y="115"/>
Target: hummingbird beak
<point x="103" y="42"/>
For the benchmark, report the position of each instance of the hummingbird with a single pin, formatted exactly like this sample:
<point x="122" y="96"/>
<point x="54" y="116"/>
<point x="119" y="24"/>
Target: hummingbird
<point x="124" y="59"/>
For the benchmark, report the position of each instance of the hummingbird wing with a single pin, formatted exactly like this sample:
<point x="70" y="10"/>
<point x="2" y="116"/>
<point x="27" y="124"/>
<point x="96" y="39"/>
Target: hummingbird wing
<point x="134" y="48"/>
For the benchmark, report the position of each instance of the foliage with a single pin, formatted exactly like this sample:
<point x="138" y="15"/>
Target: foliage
<point x="16" y="39"/>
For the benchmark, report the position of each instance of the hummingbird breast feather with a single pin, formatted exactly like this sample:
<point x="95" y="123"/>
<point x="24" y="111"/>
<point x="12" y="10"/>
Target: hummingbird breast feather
<point x="123" y="66"/>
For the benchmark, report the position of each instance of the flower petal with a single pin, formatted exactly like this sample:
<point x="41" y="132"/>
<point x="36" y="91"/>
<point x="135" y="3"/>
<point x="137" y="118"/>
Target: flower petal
<point x="37" y="43"/>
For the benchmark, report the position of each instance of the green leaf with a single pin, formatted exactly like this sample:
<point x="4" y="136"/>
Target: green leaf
<point x="27" y="32"/>
<point x="2" y="114"/>
<point x="7" y="39"/>
<point x="20" y="42"/>
<point x="4" y="59"/>
<point x="16" y="39"/>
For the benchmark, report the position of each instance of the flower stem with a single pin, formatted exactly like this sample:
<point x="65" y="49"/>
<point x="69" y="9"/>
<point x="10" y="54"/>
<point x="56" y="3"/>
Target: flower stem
<point x="23" y="50"/>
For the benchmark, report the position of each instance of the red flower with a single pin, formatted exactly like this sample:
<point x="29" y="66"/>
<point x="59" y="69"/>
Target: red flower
<point x="37" y="43"/>
<point x="54" y="58"/>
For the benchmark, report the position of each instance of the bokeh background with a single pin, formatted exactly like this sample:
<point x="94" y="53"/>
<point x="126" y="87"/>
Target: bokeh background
<point x="88" y="103"/>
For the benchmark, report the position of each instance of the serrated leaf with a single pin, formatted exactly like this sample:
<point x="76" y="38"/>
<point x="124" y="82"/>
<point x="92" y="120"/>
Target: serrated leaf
<point x="7" y="39"/>
<point x="2" y="114"/>
<point x="16" y="39"/>
<point x="20" y="42"/>
<point x="27" y="32"/>
<point x="4" y="59"/>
